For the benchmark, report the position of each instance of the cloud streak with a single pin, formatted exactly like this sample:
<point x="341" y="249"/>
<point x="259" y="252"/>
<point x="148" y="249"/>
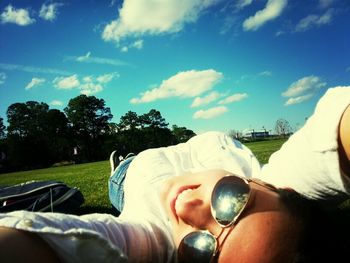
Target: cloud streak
<point x="185" y="84"/>
<point x="31" y="69"/>
<point x="202" y="101"/>
<point x="303" y="89"/>
<point x="34" y="82"/>
<point x="234" y="98"/>
<point x="272" y="10"/>
<point x="97" y="60"/>
<point x="210" y="113"/>
<point x="2" y="77"/>
<point x="314" y="21"/>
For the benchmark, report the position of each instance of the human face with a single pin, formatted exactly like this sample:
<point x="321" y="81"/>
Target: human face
<point x="262" y="234"/>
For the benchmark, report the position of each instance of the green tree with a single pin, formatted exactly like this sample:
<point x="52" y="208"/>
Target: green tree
<point x="88" y="115"/>
<point x="2" y="128"/>
<point x="26" y="118"/>
<point x="129" y="121"/>
<point x="182" y="134"/>
<point x="29" y="140"/>
<point x="89" y="118"/>
<point x="154" y="119"/>
<point x="57" y="135"/>
<point x="136" y="133"/>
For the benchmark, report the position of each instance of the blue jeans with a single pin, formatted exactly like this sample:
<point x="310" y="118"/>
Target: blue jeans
<point x="116" y="184"/>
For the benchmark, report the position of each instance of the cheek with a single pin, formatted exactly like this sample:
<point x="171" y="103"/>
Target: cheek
<point x="195" y="213"/>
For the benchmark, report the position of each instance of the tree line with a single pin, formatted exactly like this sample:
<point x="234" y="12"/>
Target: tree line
<point x="37" y="136"/>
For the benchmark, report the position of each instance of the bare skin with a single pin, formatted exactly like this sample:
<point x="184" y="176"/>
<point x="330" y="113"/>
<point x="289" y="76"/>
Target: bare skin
<point x="266" y="232"/>
<point x="344" y="141"/>
<point x="20" y="246"/>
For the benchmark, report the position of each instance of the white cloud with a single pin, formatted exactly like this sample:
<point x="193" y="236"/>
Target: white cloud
<point x="87" y="85"/>
<point x="107" y="77"/>
<point x="138" y="44"/>
<point x="34" y="82"/>
<point x="234" y="98"/>
<point x="97" y="60"/>
<point x="184" y="84"/>
<point x="33" y="69"/>
<point x="210" y="113"/>
<point x="139" y="17"/>
<point x="2" y="77"/>
<point x="16" y="16"/>
<point x="304" y="85"/>
<point x="299" y="99"/>
<point x="314" y="21"/>
<point x="201" y="101"/>
<point x="272" y="10"/>
<point x="303" y="89"/>
<point x="243" y="3"/>
<point x="56" y="103"/>
<point x="88" y="79"/>
<point x="90" y="88"/>
<point x="124" y="49"/>
<point x="265" y="73"/>
<point x="67" y="83"/>
<point x="49" y="12"/>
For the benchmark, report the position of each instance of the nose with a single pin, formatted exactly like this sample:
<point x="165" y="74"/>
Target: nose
<point x="193" y="209"/>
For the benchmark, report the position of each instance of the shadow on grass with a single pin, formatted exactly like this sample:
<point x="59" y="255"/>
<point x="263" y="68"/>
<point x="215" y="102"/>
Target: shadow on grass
<point x="96" y="209"/>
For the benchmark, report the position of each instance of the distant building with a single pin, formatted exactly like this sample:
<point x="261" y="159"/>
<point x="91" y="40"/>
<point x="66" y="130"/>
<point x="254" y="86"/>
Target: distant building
<point x="251" y="135"/>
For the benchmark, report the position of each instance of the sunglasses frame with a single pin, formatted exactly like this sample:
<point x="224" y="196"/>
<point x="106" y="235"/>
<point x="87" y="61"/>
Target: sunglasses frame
<point x="218" y="245"/>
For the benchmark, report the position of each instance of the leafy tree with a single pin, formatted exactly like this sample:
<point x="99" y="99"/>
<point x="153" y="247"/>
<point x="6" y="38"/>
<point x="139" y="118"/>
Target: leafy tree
<point x="57" y="135"/>
<point x="2" y="128"/>
<point x="282" y="127"/>
<point x="154" y="119"/>
<point x="136" y="133"/>
<point x="89" y="118"/>
<point x="28" y="139"/>
<point x="88" y="115"/>
<point x="26" y="118"/>
<point x="182" y="134"/>
<point x="129" y="121"/>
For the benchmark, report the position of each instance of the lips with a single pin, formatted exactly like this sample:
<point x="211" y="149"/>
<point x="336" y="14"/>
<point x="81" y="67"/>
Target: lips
<point x="178" y="195"/>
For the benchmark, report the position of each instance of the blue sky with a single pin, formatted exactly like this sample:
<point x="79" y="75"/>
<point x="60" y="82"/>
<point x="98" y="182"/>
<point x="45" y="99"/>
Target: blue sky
<point x="204" y="64"/>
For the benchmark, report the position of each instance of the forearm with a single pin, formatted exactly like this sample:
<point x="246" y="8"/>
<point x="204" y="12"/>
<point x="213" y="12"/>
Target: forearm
<point x="20" y="246"/>
<point x="344" y="141"/>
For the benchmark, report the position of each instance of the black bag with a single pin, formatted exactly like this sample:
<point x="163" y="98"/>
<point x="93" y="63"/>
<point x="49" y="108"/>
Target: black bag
<point x="43" y="196"/>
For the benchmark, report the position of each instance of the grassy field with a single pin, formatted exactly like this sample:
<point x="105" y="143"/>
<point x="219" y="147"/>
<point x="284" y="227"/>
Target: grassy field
<point x="91" y="178"/>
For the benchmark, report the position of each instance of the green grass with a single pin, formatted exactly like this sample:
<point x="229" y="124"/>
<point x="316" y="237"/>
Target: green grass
<point x="263" y="149"/>
<point x="91" y="178"/>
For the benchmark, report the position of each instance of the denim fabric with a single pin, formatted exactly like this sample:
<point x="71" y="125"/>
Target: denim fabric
<point x="116" y="184"/>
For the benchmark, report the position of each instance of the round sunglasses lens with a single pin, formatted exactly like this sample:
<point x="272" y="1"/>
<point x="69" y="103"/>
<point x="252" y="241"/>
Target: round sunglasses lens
<point x="229" y="197"/>
<point x="198" y="247"/>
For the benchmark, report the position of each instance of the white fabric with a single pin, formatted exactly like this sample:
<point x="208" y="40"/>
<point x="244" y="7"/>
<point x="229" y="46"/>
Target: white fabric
<point x="308" y="163"/>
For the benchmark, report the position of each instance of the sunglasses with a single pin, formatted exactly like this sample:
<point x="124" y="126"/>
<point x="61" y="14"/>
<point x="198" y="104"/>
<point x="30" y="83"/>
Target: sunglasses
<point x="228" y="200"/>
